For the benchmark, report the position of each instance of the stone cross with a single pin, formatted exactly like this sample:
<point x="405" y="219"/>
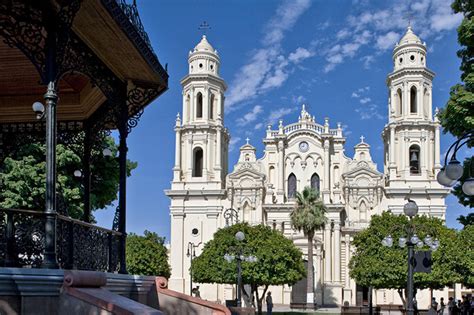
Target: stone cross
<point x="362" y="139"/>
<point x="247" y="140"/>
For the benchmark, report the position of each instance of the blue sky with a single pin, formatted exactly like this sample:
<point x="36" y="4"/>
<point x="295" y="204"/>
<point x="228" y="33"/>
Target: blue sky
<point x="333" y="56"/>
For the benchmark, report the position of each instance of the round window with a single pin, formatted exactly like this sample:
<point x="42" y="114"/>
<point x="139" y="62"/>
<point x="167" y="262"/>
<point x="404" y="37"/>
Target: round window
<point x="212" y="67"/>
<point x="195" y="231"/>
<point x="200" y="65"/>
<point x="412" y="57"/>
<point x="400" y="60"/>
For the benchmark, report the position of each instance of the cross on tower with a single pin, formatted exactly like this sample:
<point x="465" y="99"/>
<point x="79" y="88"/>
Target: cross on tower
<point x="362" y="139"/>
<point x="247" y="140"/>
<point x="204" y="27"/>
<point x="409" y="17"/>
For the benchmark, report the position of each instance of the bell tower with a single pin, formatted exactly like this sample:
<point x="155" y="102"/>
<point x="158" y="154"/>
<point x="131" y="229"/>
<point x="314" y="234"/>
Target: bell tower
<point x="412" y="135"/>
<point x="197" y="191"/>
<point x="201" y="139"/>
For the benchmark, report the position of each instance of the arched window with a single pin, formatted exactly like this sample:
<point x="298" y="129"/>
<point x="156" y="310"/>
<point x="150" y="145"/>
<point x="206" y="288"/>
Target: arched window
<point x="211" y="107"/>
<point x="414" y="159"/>
<point x="271" y="175"/>
<point x="291" y="186"/>
<point x="413" y="105"/>
<point x="426" y="103"/>
<point x="362" y="211"/>
<point x="188" y="109"/>
<point x="198" y="160"/>
<point x="399" y="102"/>
<point x="315" y="182"/>
<point x="199" y="106"/>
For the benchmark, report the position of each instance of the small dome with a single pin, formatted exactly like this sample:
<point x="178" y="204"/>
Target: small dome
<point x="409" y="38"/>
<point x="204" y="46"/>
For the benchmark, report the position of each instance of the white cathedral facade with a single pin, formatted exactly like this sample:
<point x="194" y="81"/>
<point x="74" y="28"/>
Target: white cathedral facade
<point x="303" y="153"/>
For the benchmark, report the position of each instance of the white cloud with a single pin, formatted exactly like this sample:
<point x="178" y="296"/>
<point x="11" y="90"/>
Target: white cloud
<point x="233" y="143"/>
<point x="275" y="115"/>
<point x="250" y="116"/>
<point x="355" y="95"/>
<point x="299" y="55"/>
<point x="266" y="69"/>
<point x="258" y="126"/>
<point x="369" y="111"/>
<point x="387" y="41"/>
<point x="365" y="100"/>
<point x="286" y="16"/>
<point x="378" y="30"/>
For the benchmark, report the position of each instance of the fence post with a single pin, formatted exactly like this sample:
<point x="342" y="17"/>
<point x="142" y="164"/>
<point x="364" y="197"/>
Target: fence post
<point x="10" y="257"/>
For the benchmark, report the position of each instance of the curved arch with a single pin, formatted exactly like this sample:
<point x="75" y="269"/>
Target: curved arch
<point x="413" y="100"/>
<point x="315" y="182"/>
<point x="211" y="107"/>
<point x="414" y="158"/>
<point x="399" y="102"/>
<point x="198" y="159"/>
<point x="199" y="105"/>
<point x="291" y="186"/>
<point x="363" y="209"/>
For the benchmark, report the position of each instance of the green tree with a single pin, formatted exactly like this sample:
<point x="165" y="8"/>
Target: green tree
<point x="457" y="117"/>
<point x="465" y="245"/>
<point x="309" y="215"/>
<point x="23" y="177"/>
<point x="466" y="220"/>
<point x="381" y="267"/>
<point x="147" y="255"/>
<point x="279" y="260"/>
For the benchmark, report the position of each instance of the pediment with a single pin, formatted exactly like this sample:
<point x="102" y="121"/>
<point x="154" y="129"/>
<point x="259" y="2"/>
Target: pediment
<point x="246" y="170"/>
<point x="362" y="169"/>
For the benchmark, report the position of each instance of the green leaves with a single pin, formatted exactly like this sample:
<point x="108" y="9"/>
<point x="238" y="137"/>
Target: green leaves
<point x="457" y="117"/>
<point x="147" y="255"/>
<point x="23" y="177"/>
<point x="309" y="213"/>
<point x="382" y="267"/>
<point x="279" y="261"/>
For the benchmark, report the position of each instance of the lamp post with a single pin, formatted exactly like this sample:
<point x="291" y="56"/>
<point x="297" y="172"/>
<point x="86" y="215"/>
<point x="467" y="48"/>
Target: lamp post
<point x="239" y="236"/>
<point x="451" y="172"/>
<point x="411" y="209"/>
<point x="191" y="254"/>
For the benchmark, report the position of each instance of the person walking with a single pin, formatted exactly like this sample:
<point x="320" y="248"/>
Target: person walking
<point x="442" y="306"/>
<point x="433" y="308"/>
<point x="451" y="306"/>
<point x="269" y="302"/>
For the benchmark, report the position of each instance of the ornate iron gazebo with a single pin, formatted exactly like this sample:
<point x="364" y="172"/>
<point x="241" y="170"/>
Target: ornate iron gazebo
<point x="93" y="64"/>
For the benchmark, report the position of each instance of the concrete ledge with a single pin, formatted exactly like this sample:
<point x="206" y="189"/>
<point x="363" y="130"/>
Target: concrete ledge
<point x="30" y="282"/>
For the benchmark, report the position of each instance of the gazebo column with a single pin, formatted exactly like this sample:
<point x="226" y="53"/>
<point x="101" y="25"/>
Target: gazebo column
<point x="86" y="169"/>
<point x="51" y="99"/>
<point x="123" y="133"/>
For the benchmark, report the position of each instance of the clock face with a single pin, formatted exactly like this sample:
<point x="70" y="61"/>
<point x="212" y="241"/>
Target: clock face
<point x="304" y="146"/>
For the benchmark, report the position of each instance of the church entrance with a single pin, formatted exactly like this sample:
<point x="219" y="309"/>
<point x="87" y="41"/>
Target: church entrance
<point x="298" y="291"/>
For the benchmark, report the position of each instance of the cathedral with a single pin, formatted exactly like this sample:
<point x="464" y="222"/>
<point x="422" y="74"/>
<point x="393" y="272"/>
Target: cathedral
<point x="261" y="189"/>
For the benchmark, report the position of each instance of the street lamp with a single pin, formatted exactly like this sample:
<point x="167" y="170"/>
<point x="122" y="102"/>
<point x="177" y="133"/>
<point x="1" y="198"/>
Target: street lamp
<point x="411" y="209"/>
<point x="191" y="254"/>
<point x="239" y="236"/>
<point x="453" y="171"/>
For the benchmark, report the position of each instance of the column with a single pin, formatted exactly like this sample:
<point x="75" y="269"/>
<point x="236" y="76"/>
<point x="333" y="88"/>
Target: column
<point x="177" y="157"/>
<point x="185" y="108"/>
<point x="192" y="101"/>
<point x="218" y="149"/>
<point x="205" y="157"/>
<point x="281" y="168"/>
<point x="123" y="133"/>
<point x="327" y="253"/>
<point x="348" y="256"/>
<point x="177" y="251"/>
<point x="392" y="164"/>
<point x="189" y="148"/>
<point x="337" y="252"/>
<point x="86" y="173"/>
<point x="209" y="153"/>
<point x="437" y="164"/>
<point x="51" y="99"/>
<point x="327" y="165"/>
<point x="406" y="100"/>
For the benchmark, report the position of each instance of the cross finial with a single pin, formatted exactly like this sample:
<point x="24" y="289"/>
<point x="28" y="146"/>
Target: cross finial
<point x="204" y="26"/>
<point x="362" y="139"/>
<point x="247" y="140"/>
<point x="409" y="17"/>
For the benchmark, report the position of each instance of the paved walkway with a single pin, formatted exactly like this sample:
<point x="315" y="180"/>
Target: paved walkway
<point x="285" y="309"/>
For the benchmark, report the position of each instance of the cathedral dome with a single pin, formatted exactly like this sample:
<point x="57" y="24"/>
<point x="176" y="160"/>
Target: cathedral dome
<point x="409" y="38"/>
<point x="204" y="46"/>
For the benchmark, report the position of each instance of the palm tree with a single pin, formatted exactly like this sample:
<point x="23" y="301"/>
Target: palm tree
<point x="309" y="216"/>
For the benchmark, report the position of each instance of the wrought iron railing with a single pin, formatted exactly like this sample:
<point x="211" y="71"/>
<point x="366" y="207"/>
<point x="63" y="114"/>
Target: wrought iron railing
<point x="79" y="245"/>
<point x="131" y="11"/>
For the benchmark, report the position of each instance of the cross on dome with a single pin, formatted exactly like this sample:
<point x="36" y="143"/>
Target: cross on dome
<point x="362" y="139"/>
<point x="247" y="140"/>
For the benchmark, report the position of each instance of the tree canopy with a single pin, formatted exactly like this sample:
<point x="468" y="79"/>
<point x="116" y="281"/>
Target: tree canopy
<point x="308" y="216"/>
<point x="457" y="117"/>
<point x="279" y="260"/>
<point x="381" y="267"/>
<point x="23" y="177"/>
<point x="147" y="255"/>
<point x="466" y="220"/>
